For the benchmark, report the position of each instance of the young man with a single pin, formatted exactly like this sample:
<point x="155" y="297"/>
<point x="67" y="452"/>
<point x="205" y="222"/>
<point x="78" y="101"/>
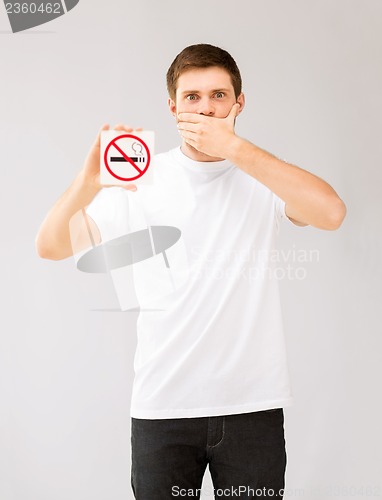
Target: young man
<point x="211" y="376"/>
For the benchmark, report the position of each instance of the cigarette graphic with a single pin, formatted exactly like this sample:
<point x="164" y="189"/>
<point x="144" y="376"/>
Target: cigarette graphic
<point x="137" y="159"/>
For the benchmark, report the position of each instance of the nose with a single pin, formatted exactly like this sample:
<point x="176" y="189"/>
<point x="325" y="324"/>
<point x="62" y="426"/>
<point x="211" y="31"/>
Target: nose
<point x="206" y="107"/>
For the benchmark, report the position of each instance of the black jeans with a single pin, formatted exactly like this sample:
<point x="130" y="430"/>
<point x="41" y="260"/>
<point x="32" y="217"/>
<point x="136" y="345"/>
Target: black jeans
<point x="245" y="453"/>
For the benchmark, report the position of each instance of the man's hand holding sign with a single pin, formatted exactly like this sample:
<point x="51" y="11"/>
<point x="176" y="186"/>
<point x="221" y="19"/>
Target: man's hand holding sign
<point x="90" y="173"/>
<point x="54" y="241"/>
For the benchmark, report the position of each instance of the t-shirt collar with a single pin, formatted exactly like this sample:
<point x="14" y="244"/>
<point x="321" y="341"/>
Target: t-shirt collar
<point x="201" y="166"/>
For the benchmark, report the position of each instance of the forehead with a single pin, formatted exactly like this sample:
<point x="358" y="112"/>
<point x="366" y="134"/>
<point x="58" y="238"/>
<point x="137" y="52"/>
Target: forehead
<point x="204" y="79"/>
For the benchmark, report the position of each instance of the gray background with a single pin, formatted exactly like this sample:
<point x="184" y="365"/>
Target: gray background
<point x="312" y="77"/>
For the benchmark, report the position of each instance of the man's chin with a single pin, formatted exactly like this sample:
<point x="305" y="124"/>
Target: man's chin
<point x="197" y="155"/>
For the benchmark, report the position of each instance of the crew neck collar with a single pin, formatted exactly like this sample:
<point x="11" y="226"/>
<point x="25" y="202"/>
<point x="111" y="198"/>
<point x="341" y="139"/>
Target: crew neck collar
<point x="201" y="166"/>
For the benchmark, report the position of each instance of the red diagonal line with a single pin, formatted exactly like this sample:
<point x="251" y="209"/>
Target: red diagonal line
<point x="126" y="157"/>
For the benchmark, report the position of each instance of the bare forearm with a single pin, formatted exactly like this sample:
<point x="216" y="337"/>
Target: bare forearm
<point x="53" y="239"/>
<point x="308" y="198"/>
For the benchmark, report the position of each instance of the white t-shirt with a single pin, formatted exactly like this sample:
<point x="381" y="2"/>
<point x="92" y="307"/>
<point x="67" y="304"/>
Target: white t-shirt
<point x="210" y="337"/>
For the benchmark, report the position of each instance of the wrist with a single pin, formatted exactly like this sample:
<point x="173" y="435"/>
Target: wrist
<point x="233" y="148"/>
<point x="86" y="184"/>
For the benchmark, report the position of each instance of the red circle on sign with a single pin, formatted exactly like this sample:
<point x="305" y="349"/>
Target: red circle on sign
<point x="113" y="143"/>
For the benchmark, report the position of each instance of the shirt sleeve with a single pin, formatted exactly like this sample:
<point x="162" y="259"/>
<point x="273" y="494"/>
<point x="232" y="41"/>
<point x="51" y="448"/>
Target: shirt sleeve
<point x="281" y="216"/>
<point x="110" y="211"/>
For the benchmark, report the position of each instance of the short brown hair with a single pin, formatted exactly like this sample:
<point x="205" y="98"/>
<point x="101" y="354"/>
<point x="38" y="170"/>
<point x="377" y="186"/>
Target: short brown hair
<point x="202" y="55"/>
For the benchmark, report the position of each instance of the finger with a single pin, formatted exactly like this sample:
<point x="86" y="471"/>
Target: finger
<point x="192" y="127"/>
<point x="130" y="187"/>
<point x="139" y="129"/>
<point x="98" y="138"/>
<point x="187" y="135"/>
<point x="127" y="128"/>
<point x="122" y="127"/>
<point x="234" y="112"/>
<point x="190" y="117"/>
<point x="192" y="143"/>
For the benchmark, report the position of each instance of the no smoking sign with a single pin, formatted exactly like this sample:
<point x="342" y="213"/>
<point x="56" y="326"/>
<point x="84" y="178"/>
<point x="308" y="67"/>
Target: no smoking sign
<point x="126" y="157"/>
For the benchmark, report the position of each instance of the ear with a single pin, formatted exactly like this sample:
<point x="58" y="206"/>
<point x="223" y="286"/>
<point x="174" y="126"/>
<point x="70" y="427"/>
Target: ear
<point x="172" y="107"/>
<point x="241" y="100"/>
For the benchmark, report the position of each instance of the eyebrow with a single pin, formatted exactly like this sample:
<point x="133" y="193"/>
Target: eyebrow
<point x="197" y="91"/>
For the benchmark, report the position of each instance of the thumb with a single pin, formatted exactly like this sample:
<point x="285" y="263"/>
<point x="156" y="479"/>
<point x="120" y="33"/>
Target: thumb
<point x="234" y="112"/>
<point x="98" y="139"/>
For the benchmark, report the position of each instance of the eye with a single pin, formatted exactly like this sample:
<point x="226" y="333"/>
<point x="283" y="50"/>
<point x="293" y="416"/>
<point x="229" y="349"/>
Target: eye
<point x="219" y="95"/>
<point x="191" y="97"/>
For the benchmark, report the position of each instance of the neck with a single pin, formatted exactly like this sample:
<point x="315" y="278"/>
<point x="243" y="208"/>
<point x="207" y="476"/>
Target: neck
<point x="196" y="155"/>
